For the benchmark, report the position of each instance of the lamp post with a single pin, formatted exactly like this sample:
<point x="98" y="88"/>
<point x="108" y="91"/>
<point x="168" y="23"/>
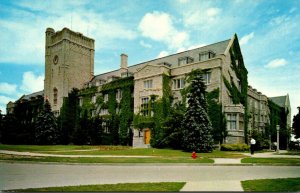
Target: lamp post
<point x="277" y="128"/>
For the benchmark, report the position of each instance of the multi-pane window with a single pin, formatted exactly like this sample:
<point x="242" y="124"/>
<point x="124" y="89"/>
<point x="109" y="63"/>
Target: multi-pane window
<point x="206" y="55"/>
<point x="185" y="60"/>
<point x="145" y="106"/>
<point x="231" y="121"/>
<point x="148" y="84"/>
<point x="103" y="111"/>
<point x="206" y="78"/>
<point x="178" y="83"/>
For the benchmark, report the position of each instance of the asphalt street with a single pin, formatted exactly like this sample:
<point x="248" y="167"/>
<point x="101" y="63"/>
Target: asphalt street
<point x="27" y="175"/>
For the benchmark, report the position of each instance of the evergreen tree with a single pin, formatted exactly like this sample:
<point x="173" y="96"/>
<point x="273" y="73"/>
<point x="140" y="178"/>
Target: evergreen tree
<point x="46" y="126"/>
<point x="196" y="125"/>
<point x="296" y="124"/>
<point x="125" y="116"/>
<point x="81" y="136"/>
<point x="69" y="117"/>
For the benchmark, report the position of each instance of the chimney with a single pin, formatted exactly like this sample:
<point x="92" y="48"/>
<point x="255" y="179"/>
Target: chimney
<point x="124" y="59"/>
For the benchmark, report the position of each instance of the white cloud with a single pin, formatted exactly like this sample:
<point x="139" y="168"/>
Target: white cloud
<point x="279" y="62"/>
<point x="6" y="88"/>
<point x="144" y="44"/>
<point x="213" y="12"/>
<point x="4" y="100"/>
<point x="202" y="16"/>
<point x="162" y="54"/>
<point x="159" y="27"/>
<point x="30" y="47"/>
<point x="32" y="83"/>
<point x="244" y="40"/>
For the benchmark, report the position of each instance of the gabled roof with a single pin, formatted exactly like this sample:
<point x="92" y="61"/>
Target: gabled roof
<point x="217" y="48"/>
<point x="279" y="100"/>
<point x="33" y="95"/>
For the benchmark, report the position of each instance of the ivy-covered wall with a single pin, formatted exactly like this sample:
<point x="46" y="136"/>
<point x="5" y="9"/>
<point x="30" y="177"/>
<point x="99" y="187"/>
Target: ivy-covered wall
<point x="238" y="96"/>
<point x="216" y="116"/>
<point x="278" y="116"/>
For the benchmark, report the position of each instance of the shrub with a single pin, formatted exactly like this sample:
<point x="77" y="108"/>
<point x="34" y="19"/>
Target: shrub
<point x="235" y="147"/>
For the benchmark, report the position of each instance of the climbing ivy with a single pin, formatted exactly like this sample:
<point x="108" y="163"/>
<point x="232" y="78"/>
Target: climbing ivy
<point x="278" y="116"/>
<point x="87" y="105"/>
<point x="242" y="74"/>
<point x="126" y="116"/>
<point x="122" y="119"/>
<point x="217" y="117"/>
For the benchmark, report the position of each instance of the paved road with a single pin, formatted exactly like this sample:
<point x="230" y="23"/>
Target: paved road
<point x="25" y="175"/>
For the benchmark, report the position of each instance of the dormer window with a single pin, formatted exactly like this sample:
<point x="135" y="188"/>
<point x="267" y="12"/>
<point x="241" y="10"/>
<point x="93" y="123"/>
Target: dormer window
<point x="206" y="55"/>
<point x="185" y="60"/>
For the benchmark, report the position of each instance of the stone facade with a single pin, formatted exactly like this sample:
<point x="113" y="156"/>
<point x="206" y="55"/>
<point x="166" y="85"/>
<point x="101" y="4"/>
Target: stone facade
<point x="69" y="63"/>
<point x="258" y="110"/>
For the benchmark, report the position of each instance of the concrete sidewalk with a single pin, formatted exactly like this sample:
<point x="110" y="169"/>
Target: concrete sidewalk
<point x="59" y="155"/>
<point x="217" y="185"/>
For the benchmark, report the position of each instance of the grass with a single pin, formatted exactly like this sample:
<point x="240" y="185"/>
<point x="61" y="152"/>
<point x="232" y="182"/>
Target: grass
<point x="273" y="161"/>
<point x="132" y="187"/>
<point x="173" y="159"/>
<point x="114" y="150"/>
<point x="272" y="185"/>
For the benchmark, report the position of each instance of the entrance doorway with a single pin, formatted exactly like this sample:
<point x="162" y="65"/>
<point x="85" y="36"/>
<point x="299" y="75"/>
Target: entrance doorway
<point x="147" y="136"/>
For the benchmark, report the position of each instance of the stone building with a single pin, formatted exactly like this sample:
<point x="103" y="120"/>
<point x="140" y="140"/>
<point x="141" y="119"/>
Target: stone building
<point x="214" y="59"/>
<point x="258" y="110"/>
<point x="284" y="102"/>
<point x="69" y="63"/>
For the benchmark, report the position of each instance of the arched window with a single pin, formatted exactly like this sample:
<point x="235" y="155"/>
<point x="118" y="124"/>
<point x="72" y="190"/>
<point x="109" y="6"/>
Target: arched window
<point x="55" y="96"/>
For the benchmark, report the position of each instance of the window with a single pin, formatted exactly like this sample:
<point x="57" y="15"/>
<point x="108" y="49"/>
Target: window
<point x="206" y="78"/>
<point x="93" y="99"/>
<point x="185" y="60"/>
<point x="148" y="84"/>
<point x="178" y="83"/>
<point x="104" y="112"/>
<point x="231" y="122"/>
<point x="239" y="85"/>
<point x="145" y="106"/>
<point x="105" y="98"/>
<point x="119" y="94"/>
<point x="55" y="96"/>
<point x="206" y="55"/>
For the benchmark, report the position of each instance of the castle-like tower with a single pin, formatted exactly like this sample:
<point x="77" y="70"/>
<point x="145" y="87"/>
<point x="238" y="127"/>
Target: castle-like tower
<point x="69" y="63"/>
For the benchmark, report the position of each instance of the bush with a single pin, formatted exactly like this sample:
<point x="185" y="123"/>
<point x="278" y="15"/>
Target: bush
<point x="235" y="147"/>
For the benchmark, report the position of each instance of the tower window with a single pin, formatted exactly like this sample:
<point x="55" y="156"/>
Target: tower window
<point x="55" y="96"/>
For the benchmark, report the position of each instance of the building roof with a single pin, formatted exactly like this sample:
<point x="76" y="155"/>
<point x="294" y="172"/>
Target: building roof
<point x="279" y="100"/>
<point x="217" y="48"/>
<point x="32" y="95"/>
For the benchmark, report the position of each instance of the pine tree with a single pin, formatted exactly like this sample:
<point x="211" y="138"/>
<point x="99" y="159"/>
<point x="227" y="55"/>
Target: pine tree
<point x="196" y="125"/>
<point x="46" y="126"/>
<point x="296" y="124"/>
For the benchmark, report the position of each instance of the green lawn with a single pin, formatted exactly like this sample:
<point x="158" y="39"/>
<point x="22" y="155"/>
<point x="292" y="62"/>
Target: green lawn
<point x="272" y="185"/>
<point x="273" y="161"/>
<point x="171" y="159"/>
<point x="126" y="187"/>
<point x="114" y="150"/>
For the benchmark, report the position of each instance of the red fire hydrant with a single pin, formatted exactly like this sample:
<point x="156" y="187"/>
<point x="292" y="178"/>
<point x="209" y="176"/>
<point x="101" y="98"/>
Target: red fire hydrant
<point x="194" y="155"/>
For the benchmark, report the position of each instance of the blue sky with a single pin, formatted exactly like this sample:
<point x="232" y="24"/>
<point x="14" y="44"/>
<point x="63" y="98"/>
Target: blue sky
<point x="268" y="32"/>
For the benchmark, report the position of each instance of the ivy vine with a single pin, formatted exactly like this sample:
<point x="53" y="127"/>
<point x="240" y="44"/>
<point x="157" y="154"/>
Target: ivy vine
<point x="242" y="74"/>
